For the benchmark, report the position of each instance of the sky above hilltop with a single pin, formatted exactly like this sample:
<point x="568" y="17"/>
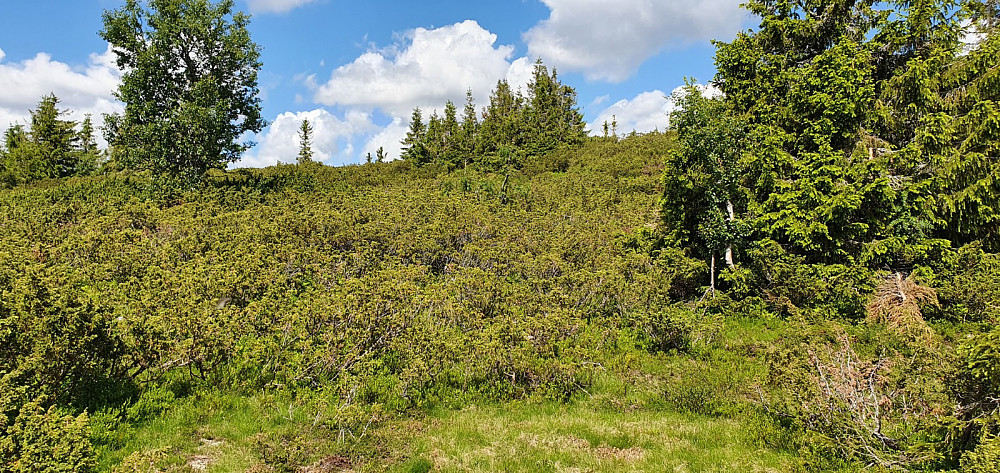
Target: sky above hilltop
<point x="357" y="69"/>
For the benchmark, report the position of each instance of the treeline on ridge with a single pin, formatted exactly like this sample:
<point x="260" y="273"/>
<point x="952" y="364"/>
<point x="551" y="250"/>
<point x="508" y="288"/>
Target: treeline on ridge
<point x="51" y="147"/>
<point x="513" y="126"/>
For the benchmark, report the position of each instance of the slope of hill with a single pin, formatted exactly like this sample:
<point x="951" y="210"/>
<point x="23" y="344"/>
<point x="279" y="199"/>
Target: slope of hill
<point x="291" y="314"/>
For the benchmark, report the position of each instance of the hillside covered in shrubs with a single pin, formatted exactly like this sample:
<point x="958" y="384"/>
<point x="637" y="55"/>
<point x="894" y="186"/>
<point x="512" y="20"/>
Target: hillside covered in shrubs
<point x="800" y="275"/>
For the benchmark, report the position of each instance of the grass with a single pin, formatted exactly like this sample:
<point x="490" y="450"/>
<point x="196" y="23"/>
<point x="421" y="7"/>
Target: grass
<point x="220" y="433"/>
<point x="215" y="432"/>
<point x="575" y="438"/>
<point x="668" y="412"/>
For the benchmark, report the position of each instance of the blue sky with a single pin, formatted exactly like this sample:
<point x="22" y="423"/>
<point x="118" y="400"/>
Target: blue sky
<point x="357" y="69"/>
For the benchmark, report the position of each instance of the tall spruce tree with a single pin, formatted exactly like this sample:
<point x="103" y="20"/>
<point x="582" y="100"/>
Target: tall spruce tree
<point x="89" y="157"/>
<point x="868" y="128"/>
<point x="434" y="140"/>
<point x="50" y="147"/>
<point x="56" y="139"/>
<point x="305" y="142"/>
<point x="469" y="129"/>
<point x="451" y="153"/>
<point x="414" y="147"/>
<point x="543" y="114"/>
<point x="502" y="131"/>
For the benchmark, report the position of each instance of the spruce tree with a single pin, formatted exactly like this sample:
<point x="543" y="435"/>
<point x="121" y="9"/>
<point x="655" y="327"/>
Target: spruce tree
<point x="49" y="148"/>
<point x="21" y="160"/>
<point x="869" y="127"/>
<point x="89" y="157"/>
<point x="435" y="138"/>
<point x="414" y="148"/>
<point x="543" y="114"/>
<point x="469" y="129"/>
<point x="570" y="124"/>
<point x="56" y="138"/>
<point x="502" y="131"/>
<point x="305" y="142"/>
<point x="451" y="153"/>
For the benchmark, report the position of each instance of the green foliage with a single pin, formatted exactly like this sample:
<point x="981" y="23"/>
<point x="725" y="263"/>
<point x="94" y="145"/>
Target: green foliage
<point x="34" y="438"/>
<point x="976" y="383"/>
<point x="863" y="125"/>
<point x="55" y="138"/>
<point x="189" y="86"/>
<point x="965" y="279"/>
<point x="984" y="459"/>
<point x="20" y="159"/>
<point x="414" y="148"/>
<point x="305" y="143"/>
<point x="788" y="285"/>
<point x="667" y="329"/>
<point x="872" y="398"/>
<point x="58" y="338"/>
<point x="701" y="192"/>
<point x="852" y="142"/>
<point x="514" y="127"/>
<point x="128" y="294"/>
<point x="51" y="147"/>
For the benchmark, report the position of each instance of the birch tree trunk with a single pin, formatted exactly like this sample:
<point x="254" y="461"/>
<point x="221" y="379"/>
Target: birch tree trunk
<point x="729" y="248"/>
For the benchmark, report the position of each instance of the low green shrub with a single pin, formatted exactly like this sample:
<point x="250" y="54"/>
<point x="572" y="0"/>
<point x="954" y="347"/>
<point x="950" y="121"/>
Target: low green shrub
<point x="985" y="458"/>
<point x="35" y="438"/>
<point x="876" y="398"/>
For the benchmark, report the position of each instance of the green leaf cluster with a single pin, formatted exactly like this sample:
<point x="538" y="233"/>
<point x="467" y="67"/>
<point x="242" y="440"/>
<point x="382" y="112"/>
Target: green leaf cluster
<point x="189" y="85"/>
<point x="848" y="130"/>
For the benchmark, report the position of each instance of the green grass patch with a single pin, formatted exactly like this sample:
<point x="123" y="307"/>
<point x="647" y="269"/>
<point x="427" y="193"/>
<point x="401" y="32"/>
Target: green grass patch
<point x="220" y="432"/>
<point x="559" y="437"/>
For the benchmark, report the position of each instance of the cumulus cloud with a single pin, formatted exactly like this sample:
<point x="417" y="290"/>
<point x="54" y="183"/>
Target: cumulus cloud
<point x="82" y="90"/>
<point x="388" y="139"/>
<point x="648" y="111"/>
<point x="276" y="6"/>
<point x="972" y="37"/>
<point x="431" y="67"/>
<point x="330" y="139"/>
<point x="426" y="68"/>
<point x="610" y="39"/>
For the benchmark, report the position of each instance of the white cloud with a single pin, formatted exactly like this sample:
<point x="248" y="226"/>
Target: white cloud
<point x="425" y="69"/>
<point x="610" y="39"/>
<point x="280" y="142"/>
<point x="81" y="89"/>
<point x="648" y="111"/>
<point x="388" y="139"/>
<point x="434" y="66"/>
<point x="276" y="6"/>
<point x="972" y="37"/>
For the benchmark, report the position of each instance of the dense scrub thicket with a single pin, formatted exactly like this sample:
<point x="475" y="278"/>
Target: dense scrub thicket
<point x="377" y="285"/>
<point x="386" y="288"/>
